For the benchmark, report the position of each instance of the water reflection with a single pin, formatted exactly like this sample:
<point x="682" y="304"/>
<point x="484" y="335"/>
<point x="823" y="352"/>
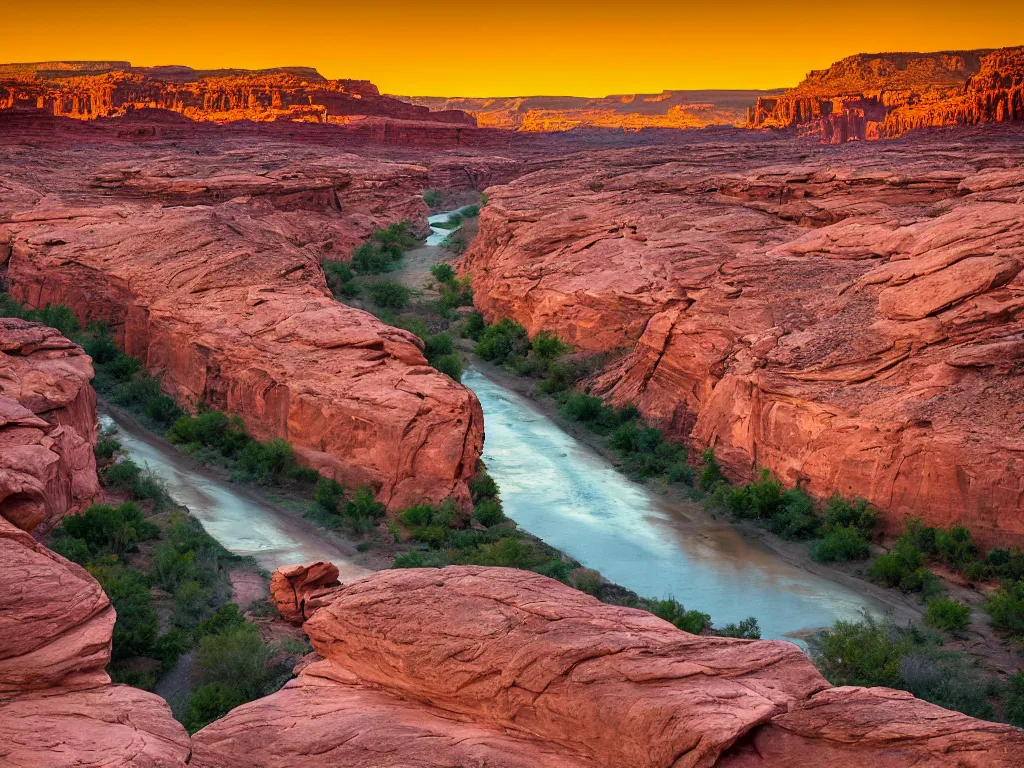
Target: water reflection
<point x="569" y="496"/>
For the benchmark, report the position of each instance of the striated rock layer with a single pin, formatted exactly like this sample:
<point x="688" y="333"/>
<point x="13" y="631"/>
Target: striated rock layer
<point x="57" y="706"/>
<point x="873" y="96"/>
<point x="470" y="666"/>
<point x="88" y="90"/>
<point x="850" y="320"/>
<point x="208" y="270"/>
<point x="47" y="426"/>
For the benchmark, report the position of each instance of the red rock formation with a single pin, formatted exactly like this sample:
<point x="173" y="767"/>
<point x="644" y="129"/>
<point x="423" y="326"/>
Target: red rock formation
<point x="57" y="706"/>
<point x="631" y="112"/>
<point x="848" y="320"/>
<point x="293" y="587"/>
<point x="208" y="270"/>
<point x="88" y="90"/>
<point x="872" y="96"/>
<point x="474" y="666"/>
<point x="47" y="426"/>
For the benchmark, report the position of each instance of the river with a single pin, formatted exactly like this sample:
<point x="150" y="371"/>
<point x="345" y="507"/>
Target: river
<point x="567" y="494"/>
<point x="241" y="522"/>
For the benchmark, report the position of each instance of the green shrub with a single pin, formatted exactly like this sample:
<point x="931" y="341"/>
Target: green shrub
<point x="267" y="463"/>
<point x="238" y="657"/>
<point x="328" y="495"/>
<point x="674" y="612"/>
<point x="710" y="474"/>
<point x="922" y="536"/>
<point x="209" y="703"/>
<point x="162" y="411"/>
<point x="456" y="243"/>
<point x="362" y="510"/>
<point x="501" y="340"/>
<point x="1007" y="564"/>
<point x="225" y="617"/>
<point x="681" y="472"/>
<point x="213" y="429"/>
<point x="586" y="580"/>
<point x="947" y="614"/>
<point x="340" y="278"/>
<point x="451" y="365"/>
<point x="483" y="486"/>
<point x="56" y="316"/>
<point x="948" y="680"/>
<point x="902" y="567"/>
<point x="370" y="259"/>
<point x="136" y="392"/>
<point x="103" y="349"/>
<point x="433" y="198"/>
<point x="107" y="447"/>
<point x="796" y="519"/>
<point x="75" y="550"/>
<point x="170" y="567"/>
<point x="169" y="647"/>
<point x="842" y="544"/>
<point x="1005" y="608"/>
<point x="191" y="604"/>
<point x="581" y="407"/>
<point x="471" y="211"/>
<point x="861" y="653"/>
<point x="488" y="512"/>
<point x="388" y="294"/>
<point x="443" y="273"/>
<point x="547" y="346"/>
<point x="1013" y="706"/>
<point x="846" y="513"/>
<point x="747" y="629"/>
<point x="135" y="629"/>
<point x="438" y="344"/>
<point x="956" y="547"/>
<point x="108" y="529"/>
<point x="473" y="326"/>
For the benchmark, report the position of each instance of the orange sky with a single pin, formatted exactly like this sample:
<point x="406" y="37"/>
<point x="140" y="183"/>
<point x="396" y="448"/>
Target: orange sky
<point x="584" y="47"/>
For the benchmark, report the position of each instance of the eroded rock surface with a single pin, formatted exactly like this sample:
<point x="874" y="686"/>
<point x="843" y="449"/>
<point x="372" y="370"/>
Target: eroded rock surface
<point x="293" y="587"/>
<point x="471" y="666"/>
<point x="57" y="706"/>
<point x="208" y="269"/>
<point x="47" y="426"/>
<point x="847" y="318"/>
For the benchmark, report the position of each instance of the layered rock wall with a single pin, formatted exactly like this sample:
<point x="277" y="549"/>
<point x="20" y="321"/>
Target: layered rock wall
<point x="88" y="90"/>
<point x="47" y="426"/>
<point x="850" y="322"/>
<point x="873" y="96"/>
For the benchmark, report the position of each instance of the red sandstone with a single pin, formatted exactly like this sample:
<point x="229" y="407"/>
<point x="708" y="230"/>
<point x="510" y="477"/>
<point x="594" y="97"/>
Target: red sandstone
<point x="47" y="426"/>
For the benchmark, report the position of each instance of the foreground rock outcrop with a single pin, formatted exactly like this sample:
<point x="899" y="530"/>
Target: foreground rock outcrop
<point x="469" y="666"/>
<point x="47" y="426"/>
<point x="208" y="270"/>
<point x="849" y="319"/>
<point x="884" y="95"/>
<point x="293" y="586"/>
<point x="57" y="706"/>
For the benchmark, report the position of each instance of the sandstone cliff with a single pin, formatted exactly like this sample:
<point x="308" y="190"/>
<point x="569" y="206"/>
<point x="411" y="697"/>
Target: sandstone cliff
<point x="872" y="96"/>
<point x="469" y="666"/>
<point x="88" y="90"/>
<point x="208" y="270"/>
<point x="47" y="426"/>
<point x="849" y="320"/>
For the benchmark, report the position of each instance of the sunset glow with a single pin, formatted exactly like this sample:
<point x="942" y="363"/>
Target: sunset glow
<point x="504" y="48"/>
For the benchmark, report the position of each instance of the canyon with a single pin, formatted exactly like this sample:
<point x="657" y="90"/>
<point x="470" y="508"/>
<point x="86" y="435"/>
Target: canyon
<point x="846" y="317"/>
<point x="208" y="270"/>
<point x="885" y="95"/>
<point x="849" y="321"/>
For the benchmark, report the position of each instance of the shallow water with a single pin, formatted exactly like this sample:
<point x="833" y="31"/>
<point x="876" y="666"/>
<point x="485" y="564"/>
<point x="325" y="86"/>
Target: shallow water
<point x="571" y="497"/>
<point x="243" y="525"/>
<point x="439" y="234"/>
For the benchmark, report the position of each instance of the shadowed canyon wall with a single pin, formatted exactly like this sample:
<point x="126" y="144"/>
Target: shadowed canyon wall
<point x="873" y="96"/>
<point x="849" y="319"/>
